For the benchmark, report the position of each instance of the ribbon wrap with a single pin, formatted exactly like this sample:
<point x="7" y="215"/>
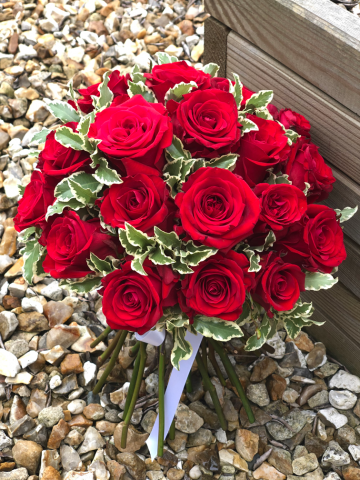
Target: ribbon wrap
<point x="175" y="386"/>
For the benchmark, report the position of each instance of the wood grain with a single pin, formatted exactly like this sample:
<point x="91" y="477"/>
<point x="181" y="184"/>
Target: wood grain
<point x="335" y="129"/>
<point x="316" y="39"/>
<point x="216" y="44"/>
<point x="350" y="268"/>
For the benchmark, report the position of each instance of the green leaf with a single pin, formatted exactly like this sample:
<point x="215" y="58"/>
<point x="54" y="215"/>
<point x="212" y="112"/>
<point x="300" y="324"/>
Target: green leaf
<point x="269" y="242"/>
<point x="21" y="189"/>
<point x="245" y="316"/>
<point x="254" y="260"/>
<point x="263" y="113"/>
<point x="307" y="188"/>
<point x="179" y="90"/>
<point x="84" y="187"/>
<point x="141" y="89"/>
<point x="198" y="163"/>
<point x="137" y="262"/>
<point x="138" y="238"/>
<point x="98" y="265"/>
<point x="159" y="258"/>
<point x="216" y="328"/>
<point x="106" y="95"/>
<point x="293" y="326"/>
<point x="236" y="90"/>
<point x="40" y="137"/>
<point x="181" y="268"/>
<point x="130" y="249"/>
<point x="247" y="125"/>
<point x="193" y="254"/>
<point x="58" y="207"/>
<point x="317" y="281"/>
<point x="62" y="191"/>
<point x="177" y="151"/>
<point x="69" y="139"/>
<point x="85" y="286"/>
<point x="63" y="111"/>
<point x="173" y="168"/>
<point x="164" y="58"/>
<point x="106" y="175"/>
<point x="182" y="349"/>
<point x="226" y="161"/>
<point x="274" y="180"/>
<point x="136" y="75"/>
<point x="291" y="135"/>
<point x="346" y="213"/>
<point x="261" y="99"/>
<point x="32" y="253"/>
<point x="85" y="122"/>
<point x="261" y="335"/>
<point x="168" y="240"/>
<point x="26" y="234"/>
<point x="211" y="68"/>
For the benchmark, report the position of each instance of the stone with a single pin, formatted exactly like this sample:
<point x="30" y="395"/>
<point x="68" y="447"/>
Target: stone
<point x="62" y="335"/>
<point x="58" y="434"/>
<point x="94" y="412"/>
<point x="27" y="454"/>
<point x="342" y="399"/>
<point x="68" y="384"/>
<point x="281" y="460"/>
<point x="321" y="398"/>
<point x="296" y="419"/>
<point x="135" y="439"/>
<point x="351" y="473"/>
<point x="134" y="465"/>
<point x="315" y="445"/>
<point x="57" y="313"/>
<point x="345" y="381"/>
<point x="332" y="418"/>
<point x="38" y="435"/>
<point x="267" y="472"/>
<point x="5" y="442"/>
<point x="92" y="441"/>
<point x="186" y="420"/>
<point x="9" y="365"/>
<point x="28" y="359"/>
<point x="179" y="442"/>
<point x="74" y="438"/>
<point x="37" y="111"/>
<point x="175" y="474"/>
<point x="355" y="452"/>
<point x="290" y="395"/>
<point x="32" y="305"/>
<point x="72" y="475"/>
<point x="17" y="474"/>
<point x="106" y="428"/>
<point x="345" y="436"/>
<point x="21" y="426"/>
<point x="202" y="437"/>
<point x="263" y="369"/>
<point x="89" y="373"/>
<point x="304" y="464"/>
<point x="50" y="416"/>
<point x="71" y="364"/>
<point x="76" y="406"/>
<point x="335" y="456"/>
<point x="8" y="324"/>
<point x="4" y="140"/>
<point x="230" y="457"/>
<point x="293" y="356"/>
<point x="38" y="400"/>
<point x="258" y="394"/>
<point x="148" y="421"/>
<point x="276" y="386"/>
<point x="49" y="458"/>
<point x="116" y="470"/>
<point x="51" y="474"/>
<point x="195" y="473"/>
<point x="70" y="458"/>
<point x="55" y="355"/>
<point x="247" y="444"/>
<point x="327" y="370"/>
<point x="33" y="322"/>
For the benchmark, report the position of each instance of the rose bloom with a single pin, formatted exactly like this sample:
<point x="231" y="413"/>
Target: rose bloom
<point x="324" y="236"/>
<point x="278" y="284"/>
<point x="206" y="121"/>
<point x="281" y="205"/>
<point x="217" y="208"/>
<point x="164" y="77"/>
<point x="38" y="196"/>
<point x="217" y="287"/>
<point x="293" y="120"/>
<point x="261" y="150"/>
<point x="118" y="84"/>
<point x="59" y="161"/>
<point x="142" y="201"/>
<point x="307" y="165"/>
<point x="134" y="133"/>
<point x="135" y="302"/>
<point x="69" y="242"/>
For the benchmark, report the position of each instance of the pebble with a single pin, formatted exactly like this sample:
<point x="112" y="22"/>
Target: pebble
<point x="258" y="394"/>
<point x="186" y="420"/>
<point x="335" y="456"/>
<point x="331" y="417"/>
<point x="50" y="416"/>
<point x="9" y="365"/>
<point x="346" y="381"/>
<point x="342" y="399"/>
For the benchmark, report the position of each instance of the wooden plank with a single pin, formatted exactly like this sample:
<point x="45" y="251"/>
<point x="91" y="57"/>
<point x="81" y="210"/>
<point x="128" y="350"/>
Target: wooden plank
<point x="216" y="44"/>
<point x="315" y="39"/>
<point x="350" y="268"/>
<point x="335" y="129"/>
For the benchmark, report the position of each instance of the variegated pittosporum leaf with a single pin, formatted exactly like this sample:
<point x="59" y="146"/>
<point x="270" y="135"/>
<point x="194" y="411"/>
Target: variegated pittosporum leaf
<point x="82" y="285"/>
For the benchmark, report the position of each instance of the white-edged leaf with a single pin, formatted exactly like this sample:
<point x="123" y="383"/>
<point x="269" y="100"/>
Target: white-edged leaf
<point x="318" y="281"/>
<point x="136" y="75"/>
<point x="138" y="238"/>
<point x="247" y="125"/>
<point x="158" y="257"/>
<point x="181" y="268"/>
<point x="182" y="349"/>
<point x="63" y="111"/>
<point x="226" y="161"/>
<point x="58" y="207"/>
<point x="216" y="328"/>
<point x="62" y="191"/>
<point x="106" y="96"/>
<point x="291" y="135"/>
<point x="106" y="175"/>
<point x="236" y="90"/>
<point x="307" y="188"/>
<point x="274" y="180"/>
<point x="263" y="113"/>
<point x="69" y="139"/>
<point x="138" y="260"/>
<point x="179" y="90"/>
<point x="26" y="234"/>
<point x="261" y="335"/>
<point x="141" y="89"/>
<point x="84" y="187"/>
<point x="130" y="249"/>
<point x="245" y="316"/>
<point x="85" y="123"/>
<point x="164" y="58"/>
<point x="269" y="242"/>
<point x="211" y="68"/>
<point x="260" y="99"/>
<point x="346" y="213"/>
<point x="40" y="137"/>
<point x="98" y="265"/>
<point x="32" y="253"/>
<point x="168" y="240"/>
<point x="21" y="189"/>
<point x="254" y="260"/>
<point x="177" y="150"/>
<point x="84" y="286"/>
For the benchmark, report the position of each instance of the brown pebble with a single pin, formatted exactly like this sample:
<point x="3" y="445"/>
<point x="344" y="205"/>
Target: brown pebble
<point x="58" y="434"/>
<point x="57" y="313"/>
<point x="8" y="242"/>
<point x="10" y="302"/>
<point x="186" y="27"/>
<point x="71" y="364"/>
<point x="276" y="386"/>
<point x="7" y="466"/>
<point x="50" y="473"/>
<point x="94" y="411"/>
<point x="13" y="43"/>
<point x="80" y="421"/>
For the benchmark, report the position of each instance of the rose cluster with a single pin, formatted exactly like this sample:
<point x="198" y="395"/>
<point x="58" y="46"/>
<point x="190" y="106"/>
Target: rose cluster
<point x="246" y="174"/>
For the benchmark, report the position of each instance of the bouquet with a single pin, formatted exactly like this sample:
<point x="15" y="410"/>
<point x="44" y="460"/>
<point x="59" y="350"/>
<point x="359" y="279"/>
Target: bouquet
<point x="190" y="203"/>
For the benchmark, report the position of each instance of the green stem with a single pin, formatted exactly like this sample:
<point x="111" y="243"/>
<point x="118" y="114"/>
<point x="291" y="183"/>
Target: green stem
<point x="211" y="389"/>
<point x="101" y="337"/>
<point x="204" y="352"/>
<point x="216" y="365"/>
<point x="132" y="385"/>
<point x="161" y="401"/>
<point x="104" y="356"/>
<point x="188" y="384"/>
<point x="135" y="395"/>
<point x="134" y="350"/>
<point x="111" y="364"/>
<point x="172" y="431"/>
<point x="234" y="379"/>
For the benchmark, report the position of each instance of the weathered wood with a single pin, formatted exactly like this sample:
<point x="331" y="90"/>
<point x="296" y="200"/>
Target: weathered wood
<point x="335" y="129"/>
<point x="350" y="268"/>
<point x="316" y="39"/>
<point x="216" y="44"/>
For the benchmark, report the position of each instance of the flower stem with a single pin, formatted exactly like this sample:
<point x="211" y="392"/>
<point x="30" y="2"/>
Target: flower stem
<point x="134" y="350"/>
<point x="101" y="337"/>
<point x="216" y="365"/>
<point x="188" y="384"/>
<point x="135" y="395"/>
<point x="211" y="389"/>
<point x="234" y="379"/>
<point x="111" y="364"/>
<point x="132" y="385"/>
<point x="172" y="431"/>
<point x="161" y="401"/>
<point x="104" y="356"/>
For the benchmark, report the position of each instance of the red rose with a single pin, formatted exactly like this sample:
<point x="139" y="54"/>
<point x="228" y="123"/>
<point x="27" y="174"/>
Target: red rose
<point x="141" y="200"/>
<point x="69" y="242"/>
<point x="164" y="77"/>
<point x="118" y="84"/>
<point x="281" y="205"/>
<point x="60" y="161"/>
<point x="38" y="196"/>
<point x="135" y="302"/>
<point x="278" y="284"/>
<point x="217" y="287"/>
<point x="217" y="208"/>
<point x="134" y="133"/>
<point x="324" y="236"/>
<point x="294" y="121"/>
<point x="206" y="121"/>
<point x="261" y="150"/>
<point x="307" y="165"/>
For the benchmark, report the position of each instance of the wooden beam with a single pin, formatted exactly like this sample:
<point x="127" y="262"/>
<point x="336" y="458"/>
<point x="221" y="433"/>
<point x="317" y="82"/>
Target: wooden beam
<point x="350" y="268"/>
<point x="316" y="39"/>
<point x="215" y="50"/>
<point x="335" y="129"/>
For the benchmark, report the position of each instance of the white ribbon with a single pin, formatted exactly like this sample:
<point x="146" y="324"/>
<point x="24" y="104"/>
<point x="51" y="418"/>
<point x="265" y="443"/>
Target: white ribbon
<point x="175" y="386"/>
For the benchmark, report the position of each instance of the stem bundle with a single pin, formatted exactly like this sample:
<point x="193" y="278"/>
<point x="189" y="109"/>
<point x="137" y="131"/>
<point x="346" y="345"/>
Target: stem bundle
<point x="161" y="401"/>
<point x="101" y="337"/>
